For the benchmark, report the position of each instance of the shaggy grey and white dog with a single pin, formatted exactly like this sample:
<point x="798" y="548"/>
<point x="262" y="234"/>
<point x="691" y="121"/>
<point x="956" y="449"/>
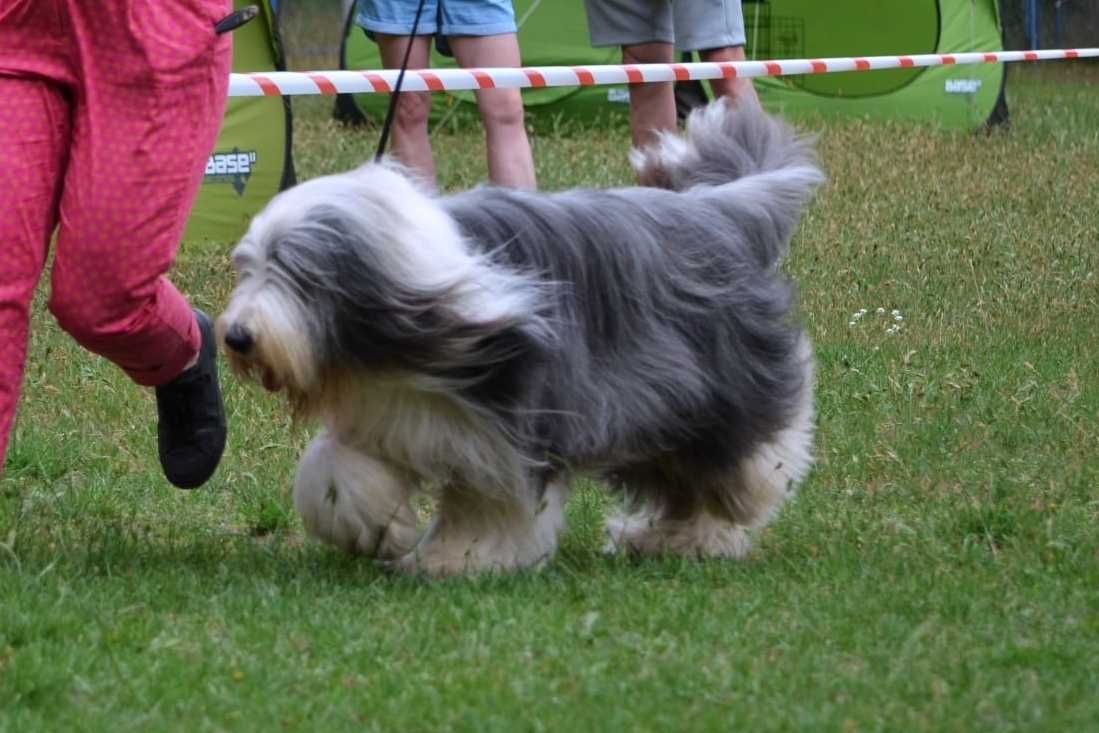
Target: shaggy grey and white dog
<point x="490" y="345"/>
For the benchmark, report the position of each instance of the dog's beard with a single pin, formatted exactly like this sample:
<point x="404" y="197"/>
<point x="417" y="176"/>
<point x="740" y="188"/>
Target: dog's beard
<point x="304" y="405"/>
<point x="256" y="370"/>
<point x="283" y="358"/>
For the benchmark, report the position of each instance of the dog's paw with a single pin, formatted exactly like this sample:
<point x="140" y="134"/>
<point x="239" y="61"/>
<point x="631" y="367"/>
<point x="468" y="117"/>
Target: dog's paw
<point x="350" y="526"/>
<point x="354" y="501"/>
<point x="700" y="537"/>
<point x="616" y="533"/>
<point x="442" y="560"/>
<point x="435" y="565"/>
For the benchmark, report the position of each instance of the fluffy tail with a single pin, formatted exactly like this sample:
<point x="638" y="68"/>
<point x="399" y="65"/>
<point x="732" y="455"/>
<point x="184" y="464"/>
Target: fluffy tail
<point x="723" y="141"/>
<point x="759" y="168"/>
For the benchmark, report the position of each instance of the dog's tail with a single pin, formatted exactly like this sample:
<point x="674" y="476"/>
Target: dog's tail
<point x="773" y="170"/>
<point x="723" y="141"/>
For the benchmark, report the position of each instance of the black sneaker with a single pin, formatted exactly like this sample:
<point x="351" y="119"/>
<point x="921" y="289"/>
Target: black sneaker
<point x="191" y="432"/>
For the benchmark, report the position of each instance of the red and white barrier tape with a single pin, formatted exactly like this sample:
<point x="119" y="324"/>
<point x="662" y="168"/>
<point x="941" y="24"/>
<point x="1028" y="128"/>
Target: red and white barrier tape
<point x="283" y="83"/>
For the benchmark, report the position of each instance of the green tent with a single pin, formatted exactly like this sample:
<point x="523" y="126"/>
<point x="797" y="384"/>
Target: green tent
<point x="554" y="32"/>
<point x="251" y="160"/>
<point x="955" y="96"/>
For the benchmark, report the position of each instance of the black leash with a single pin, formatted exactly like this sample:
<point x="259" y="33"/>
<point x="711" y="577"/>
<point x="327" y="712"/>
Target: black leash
<point x="397" y="89"/>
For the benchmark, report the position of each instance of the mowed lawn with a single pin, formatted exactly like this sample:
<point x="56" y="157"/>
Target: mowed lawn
<point x="938" y="571"/>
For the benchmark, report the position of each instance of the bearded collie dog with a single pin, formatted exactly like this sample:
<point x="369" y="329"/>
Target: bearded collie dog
<point x="490" y="345"/>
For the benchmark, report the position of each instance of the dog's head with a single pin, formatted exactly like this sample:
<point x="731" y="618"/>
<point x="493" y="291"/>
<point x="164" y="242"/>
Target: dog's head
<point x="364" y="272"/>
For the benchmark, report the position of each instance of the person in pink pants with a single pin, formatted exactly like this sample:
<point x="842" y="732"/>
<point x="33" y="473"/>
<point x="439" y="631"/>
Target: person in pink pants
<point x="108" y="112"/>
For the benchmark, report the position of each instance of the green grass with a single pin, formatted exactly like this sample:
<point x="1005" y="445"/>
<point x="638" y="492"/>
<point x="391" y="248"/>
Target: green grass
<point x="939" y="570"/>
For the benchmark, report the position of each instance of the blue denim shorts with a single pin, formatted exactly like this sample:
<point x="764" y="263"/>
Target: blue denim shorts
<point x="442" y="17"/>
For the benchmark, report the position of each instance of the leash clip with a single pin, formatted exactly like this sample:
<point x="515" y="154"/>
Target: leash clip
<point x="236" y="19"/>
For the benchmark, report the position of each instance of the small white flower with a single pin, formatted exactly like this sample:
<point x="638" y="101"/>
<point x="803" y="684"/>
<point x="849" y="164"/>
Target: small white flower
<point x="862" y="311"/>
<point x="881" y="310"/>
<point x="898" y="317"/>
<point x="895" y="312"/>
<point x="850" y="323"/>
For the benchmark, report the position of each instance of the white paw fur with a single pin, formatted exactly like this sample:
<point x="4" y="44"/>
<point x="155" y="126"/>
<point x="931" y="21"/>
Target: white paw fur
<point x="353" y="501"/>
<point x="472" y="533"/>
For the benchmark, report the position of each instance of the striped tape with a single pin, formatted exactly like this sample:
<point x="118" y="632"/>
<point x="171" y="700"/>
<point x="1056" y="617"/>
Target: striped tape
<point x="285" y="83"/>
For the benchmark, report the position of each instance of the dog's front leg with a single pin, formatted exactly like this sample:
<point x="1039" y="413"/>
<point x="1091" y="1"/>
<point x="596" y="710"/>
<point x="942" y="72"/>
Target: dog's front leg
<point x="473" y="533"/>
<point x="354" y="501"/>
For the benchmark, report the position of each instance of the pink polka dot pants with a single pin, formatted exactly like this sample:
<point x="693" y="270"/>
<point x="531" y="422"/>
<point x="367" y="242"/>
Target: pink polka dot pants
<point x="108" y="111"/>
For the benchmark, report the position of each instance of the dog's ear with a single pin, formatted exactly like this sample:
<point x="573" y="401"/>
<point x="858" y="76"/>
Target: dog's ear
<point x="383" y="303"/>
<point x="382" y="322"/>
<point x="469" y="350"/>
<point x="511" y="339"/>
<point x="502" y="367"/>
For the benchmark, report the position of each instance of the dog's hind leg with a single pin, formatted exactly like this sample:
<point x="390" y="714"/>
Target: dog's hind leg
<point x="354" y="501"/>
<point x="700" y="515"/>
<point x="474" y="533"/>
<point x="687" y="512"/>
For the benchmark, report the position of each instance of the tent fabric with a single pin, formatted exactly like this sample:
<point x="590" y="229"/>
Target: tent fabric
<point x="954" y="96"/>
<point x="554" y="32"/>
<point x="252" y="159"/>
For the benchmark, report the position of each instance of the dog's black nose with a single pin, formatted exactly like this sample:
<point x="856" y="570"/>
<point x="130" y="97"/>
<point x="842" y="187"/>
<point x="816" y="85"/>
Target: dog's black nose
<point x="239" y="339"/>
